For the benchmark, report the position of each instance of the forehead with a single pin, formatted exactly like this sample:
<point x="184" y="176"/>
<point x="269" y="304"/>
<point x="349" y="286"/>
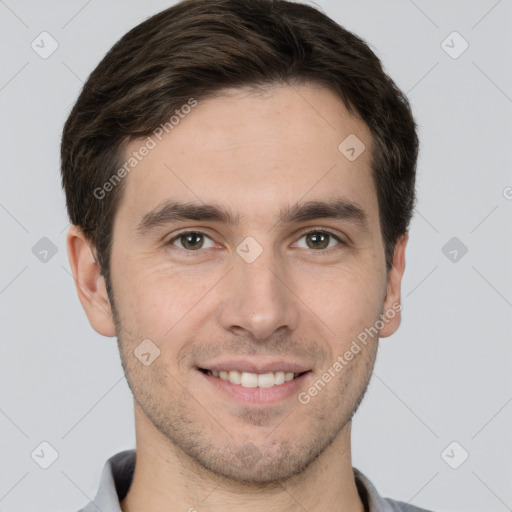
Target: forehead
<point x="257" y="153"/>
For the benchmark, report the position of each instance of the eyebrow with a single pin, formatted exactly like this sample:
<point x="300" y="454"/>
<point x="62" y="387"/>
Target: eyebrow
<point x="173" y="211"/>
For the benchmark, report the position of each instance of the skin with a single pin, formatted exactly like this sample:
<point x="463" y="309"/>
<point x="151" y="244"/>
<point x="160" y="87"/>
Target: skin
<point x="196" y="447"/>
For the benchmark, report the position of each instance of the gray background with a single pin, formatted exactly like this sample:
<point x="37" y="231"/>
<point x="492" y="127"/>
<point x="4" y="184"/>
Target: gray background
<point x="444" y="376"/>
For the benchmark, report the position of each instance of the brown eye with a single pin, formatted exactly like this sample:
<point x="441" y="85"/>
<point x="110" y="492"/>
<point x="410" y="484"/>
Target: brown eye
<point x="191" y="241"/>
<point x="319" y="240"/>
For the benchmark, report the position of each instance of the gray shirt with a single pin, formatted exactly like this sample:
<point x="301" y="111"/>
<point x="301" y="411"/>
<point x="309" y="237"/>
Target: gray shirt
<point x="117" y="475"/>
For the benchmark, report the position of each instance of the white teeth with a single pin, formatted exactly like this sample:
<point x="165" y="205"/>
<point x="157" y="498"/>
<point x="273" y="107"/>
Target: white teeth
<point x="235" y="377"/>
<point x="279" y="378"/>
<point x="266" y="380"/>
<point x="253" y="380"/>
<point x="249" y="380"/>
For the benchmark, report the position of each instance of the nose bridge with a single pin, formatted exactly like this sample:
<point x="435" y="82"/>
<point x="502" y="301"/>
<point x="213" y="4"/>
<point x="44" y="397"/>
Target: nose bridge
<point x="257" y="298"/>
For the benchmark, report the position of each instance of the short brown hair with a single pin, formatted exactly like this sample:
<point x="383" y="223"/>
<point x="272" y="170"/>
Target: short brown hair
<point x="197" y="48"/>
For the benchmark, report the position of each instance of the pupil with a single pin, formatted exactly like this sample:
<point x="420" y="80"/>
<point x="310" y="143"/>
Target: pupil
<point x="192" y="240"/>
<point x="319" y="237"/>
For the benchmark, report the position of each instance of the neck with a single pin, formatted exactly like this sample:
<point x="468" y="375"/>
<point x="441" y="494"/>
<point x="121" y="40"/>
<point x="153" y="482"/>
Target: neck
<point x="166" y="480"/>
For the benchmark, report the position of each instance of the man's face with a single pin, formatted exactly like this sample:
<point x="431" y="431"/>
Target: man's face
<point x="281" y="300"/>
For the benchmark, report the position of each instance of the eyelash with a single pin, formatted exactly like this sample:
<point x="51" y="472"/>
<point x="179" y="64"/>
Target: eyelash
<point x="305" y="233"/>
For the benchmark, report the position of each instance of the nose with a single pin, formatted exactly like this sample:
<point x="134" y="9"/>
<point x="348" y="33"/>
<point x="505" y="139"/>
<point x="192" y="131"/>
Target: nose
<point x="258" y="299"/>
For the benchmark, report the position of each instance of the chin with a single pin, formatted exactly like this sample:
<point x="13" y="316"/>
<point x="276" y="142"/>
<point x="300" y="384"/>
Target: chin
<point x="269" y="465"/>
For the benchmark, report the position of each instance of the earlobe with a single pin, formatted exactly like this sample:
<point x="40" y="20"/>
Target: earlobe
<point x="392" y="304"/>
<point x="89" y="282"/>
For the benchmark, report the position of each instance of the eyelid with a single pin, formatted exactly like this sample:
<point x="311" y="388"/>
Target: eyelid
<point x="322" y="230"/>
<point x="178" y="235"/>
<point x="307" y="231"/>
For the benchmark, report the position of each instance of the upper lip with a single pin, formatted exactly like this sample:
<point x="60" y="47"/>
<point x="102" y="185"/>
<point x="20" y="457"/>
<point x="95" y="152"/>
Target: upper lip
<point x="248" y="366"/>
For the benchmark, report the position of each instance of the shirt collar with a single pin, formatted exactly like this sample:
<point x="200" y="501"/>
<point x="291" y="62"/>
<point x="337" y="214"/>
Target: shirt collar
<point x="117" y="475"/>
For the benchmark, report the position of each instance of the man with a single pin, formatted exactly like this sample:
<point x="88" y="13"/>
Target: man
<point x="240" y="179"/>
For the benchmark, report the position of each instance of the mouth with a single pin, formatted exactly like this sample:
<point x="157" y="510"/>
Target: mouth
<point x="253" y="386"/>
<point x="254" y="380"/>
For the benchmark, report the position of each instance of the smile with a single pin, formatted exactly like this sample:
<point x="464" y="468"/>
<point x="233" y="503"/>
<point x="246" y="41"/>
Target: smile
<point x="254" y="380"/>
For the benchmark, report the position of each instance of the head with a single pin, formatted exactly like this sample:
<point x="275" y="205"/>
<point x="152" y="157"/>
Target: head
<point x="229" y="120"/>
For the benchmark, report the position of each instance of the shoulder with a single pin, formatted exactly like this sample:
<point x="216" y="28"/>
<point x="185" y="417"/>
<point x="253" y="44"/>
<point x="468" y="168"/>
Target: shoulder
<point x="374" y="502"/>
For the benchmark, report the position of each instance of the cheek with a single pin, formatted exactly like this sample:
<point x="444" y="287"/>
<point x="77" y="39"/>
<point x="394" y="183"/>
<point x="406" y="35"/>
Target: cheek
<point x="345" y="303"/>
<point x="153" y="299"/>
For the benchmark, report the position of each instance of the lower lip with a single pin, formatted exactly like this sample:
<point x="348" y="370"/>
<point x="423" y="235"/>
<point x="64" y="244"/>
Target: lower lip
<point x="258" y="395"/>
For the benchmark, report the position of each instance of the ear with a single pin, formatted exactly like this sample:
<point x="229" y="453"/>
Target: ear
<point x="392" y="306"/>
<point x="90" y="284"/>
